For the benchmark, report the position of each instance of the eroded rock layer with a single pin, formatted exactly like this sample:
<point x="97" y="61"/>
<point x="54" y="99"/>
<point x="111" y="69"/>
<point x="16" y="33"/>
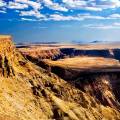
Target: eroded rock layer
<point x="57" y="52"/>
<point x="28" y="92"/>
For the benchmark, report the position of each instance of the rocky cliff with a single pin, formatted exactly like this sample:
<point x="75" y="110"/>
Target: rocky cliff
<point x="28" y="92"/>
<point x="39" y="53"/>
<point x="60" y="53"/>
<point x="100" y="80"/>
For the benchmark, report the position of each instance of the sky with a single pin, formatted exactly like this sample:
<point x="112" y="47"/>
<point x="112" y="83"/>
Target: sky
<point x="62" y="21"/>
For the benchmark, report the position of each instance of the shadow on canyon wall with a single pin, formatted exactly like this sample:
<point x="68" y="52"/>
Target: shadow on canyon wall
<point x="104" y="86"/>
<point x="112" y="53"/>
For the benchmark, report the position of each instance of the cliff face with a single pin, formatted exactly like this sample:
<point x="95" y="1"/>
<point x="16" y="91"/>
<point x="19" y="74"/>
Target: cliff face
<point x="41" y="53"/>
<point x="60" y="53"/>
<point x="103" y="86"/>
<point x="7" y="51"/>
<point x="101" y="83"/>
<point x="27" y="92"/>
<point x="107" y="53"/>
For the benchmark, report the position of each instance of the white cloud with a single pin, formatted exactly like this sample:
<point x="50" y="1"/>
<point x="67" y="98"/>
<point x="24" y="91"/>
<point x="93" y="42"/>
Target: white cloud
<point x="114" y="16"/>
<point x="15" y="5"/>
<point x="27" y="19"/>
<point x="57" y="17"/>
<point x="92" y="9"/>
<point x="81" y="4"/>
<point x="93" y="5"/>
<point x="33" y="8"/>
<point x="54" y="6"/>
<point x="34" y="5"/>
<point x="75" y="3"/>
<point x="105" y="4"/>
<point x="2" y="3"/>
<point x="61" y="17"/>
<point x="18" y="5"/>
<point x="79" y="17"/>
<point x="36" y="14"/>
<point x="2" y="11"/>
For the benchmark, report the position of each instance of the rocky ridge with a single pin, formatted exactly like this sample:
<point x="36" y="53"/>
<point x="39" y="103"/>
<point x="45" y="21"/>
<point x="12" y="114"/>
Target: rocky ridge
<point x="56" y="53"/>
<point x="28" y="92"/>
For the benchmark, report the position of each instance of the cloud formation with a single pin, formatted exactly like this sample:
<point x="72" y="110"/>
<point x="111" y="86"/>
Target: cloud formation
<point x="54" y="6"/>
<point x="2" y="3"/>
<point x="35" y="5"/>
<point x="15" y="5"/>
<point x="32" y="13"/>
<point x="95" y="5"/>
<point x="62" y="11"/>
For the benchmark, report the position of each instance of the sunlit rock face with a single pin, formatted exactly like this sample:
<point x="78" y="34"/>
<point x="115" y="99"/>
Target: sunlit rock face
<point x="103" y="86"/>
<point x="28" y="92"/>
<point x="57" y="52"/>
<point x="40" y="53"/>
<point x="7" y="51"/>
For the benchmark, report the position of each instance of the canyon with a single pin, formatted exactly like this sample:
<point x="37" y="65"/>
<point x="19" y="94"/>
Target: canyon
<point x="57" y="51"/>
<point x="35" y="85"/>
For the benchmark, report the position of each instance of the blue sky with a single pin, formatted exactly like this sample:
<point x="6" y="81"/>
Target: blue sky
<point x="60" y="20"/>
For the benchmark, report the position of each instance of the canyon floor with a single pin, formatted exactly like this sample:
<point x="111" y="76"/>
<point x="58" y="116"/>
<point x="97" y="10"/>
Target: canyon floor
<point x="59" y="82"/>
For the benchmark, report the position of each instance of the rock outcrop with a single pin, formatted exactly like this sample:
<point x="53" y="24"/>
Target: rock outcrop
<point x="39" y="54"/>
<point x="60" y="53"/>
<point x="28" y="92"/>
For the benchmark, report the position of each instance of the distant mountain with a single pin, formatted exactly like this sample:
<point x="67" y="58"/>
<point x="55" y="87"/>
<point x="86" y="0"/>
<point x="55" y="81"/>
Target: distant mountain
<point x="96" y="41"/>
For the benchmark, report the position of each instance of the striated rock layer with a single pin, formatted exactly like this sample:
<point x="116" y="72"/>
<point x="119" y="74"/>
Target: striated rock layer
<point x="58" y="52"/>
<point x="27" y="92"/>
